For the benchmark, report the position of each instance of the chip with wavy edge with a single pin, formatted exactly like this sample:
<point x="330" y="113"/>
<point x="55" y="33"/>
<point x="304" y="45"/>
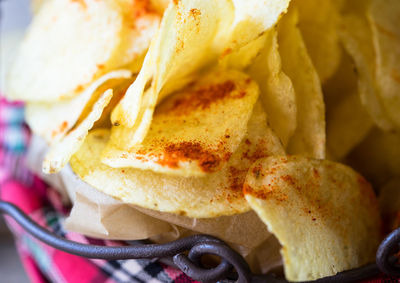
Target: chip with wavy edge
<point x="184" y="138"/>
<point x="60" y="153"/>
<point x="213" y="195"/>
<point x="384" y="16"/>
<point x="319" y="31"/>
<point x="356" y="36"/>
<point x="64" y="114"/>
<point x="309" y="136"/>
<point x="276" y="89"/>
<point x="68" y="44"/>
<point x="324" y="214"/>
<point x="192" y="34"/>
<point x="87" y="38"/>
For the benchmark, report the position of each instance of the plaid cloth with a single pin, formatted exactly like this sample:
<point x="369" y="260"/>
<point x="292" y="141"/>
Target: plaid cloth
<point x="46" y="264"/>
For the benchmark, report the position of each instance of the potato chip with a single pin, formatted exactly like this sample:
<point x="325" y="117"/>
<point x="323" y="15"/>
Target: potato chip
<point x="241" y="58"/>
<point x="384" y="16"/>
<point x="309" y="136"/>
<point x="64" y="114"/>
<point x="213" y="195"/>
<point x="192" y="34"/>
<point x="348" y="124"/>
<point x="378" y="156"/>
<point x="277" y="93"/>
<point x="187" y="137"/>
<point x="324" y="214"/>
<point x="69" y="44"/>
<point x="140" y="24"/>
<point x="319" y="31"/>
<point x="389" y="204"/>
<point x="356" y="36"/>
<point x="251" y="19"/>
<point x="60" y="153"/>
<point x="181" y="46"/>
<point x="343" y="82"/>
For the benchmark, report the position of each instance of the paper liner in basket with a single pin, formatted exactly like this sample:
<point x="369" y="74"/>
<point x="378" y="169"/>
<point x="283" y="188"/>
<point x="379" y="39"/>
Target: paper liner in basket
<point x="98" y="215"/>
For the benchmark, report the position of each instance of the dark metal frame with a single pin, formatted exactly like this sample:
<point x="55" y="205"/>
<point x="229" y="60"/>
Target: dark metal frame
<point x="186" y="254"/>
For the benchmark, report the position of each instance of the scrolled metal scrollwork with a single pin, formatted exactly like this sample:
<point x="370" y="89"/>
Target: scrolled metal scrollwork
<point x="187" y="253"/>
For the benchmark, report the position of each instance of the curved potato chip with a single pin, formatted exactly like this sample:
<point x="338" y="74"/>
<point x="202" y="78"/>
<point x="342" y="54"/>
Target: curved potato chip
<point x="378" y="156"/>
<point x="64" y="114"/>
<point x="309" y="136"/>
<point x="276" y="90"/>
<point x="319" y="31"/>
<point x="192" y="35"/>
<point x="324" y="214"/>
<point x="213" y="195"/>
<point x="244" y="56"/>
<point x="348" y="124"/>
<point x="185" y="138"/>
<point x="180" y="47"/>
<point x="356" y="35"/>
<point x="384" y="16"/>
<point x="60" y="153"/>
<point x="140" y="24"/>
<point x="251" y="19"/>
<point x="69" y="44"/>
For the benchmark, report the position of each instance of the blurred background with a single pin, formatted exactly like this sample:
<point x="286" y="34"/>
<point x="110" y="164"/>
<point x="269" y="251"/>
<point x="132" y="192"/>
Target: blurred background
<point x="14" y="17"/>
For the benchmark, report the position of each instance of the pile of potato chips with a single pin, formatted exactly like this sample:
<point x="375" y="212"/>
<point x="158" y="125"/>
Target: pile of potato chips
<point x="208" y="108"/>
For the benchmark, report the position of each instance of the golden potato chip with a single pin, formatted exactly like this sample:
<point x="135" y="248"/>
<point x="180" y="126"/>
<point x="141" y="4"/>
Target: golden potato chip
<point x="309" y="136"/>
<point x="141" y="20"/>
<point x="356" y="36"/>
<point x="343" y="82"/>
<point x="318" y="22"/>
<point x="64" y="114"/>
<point x="213" y="195"/>
<point x="384" y="16"/>
<point x="251" y="19"/>
<point x="192" y="35"/>
<point x="378" y="156"/>
<point x="69" y="44"/>
<point x="241" y="58"/>
<point x="60" y="153"/>
<point x="187" y="136"/>
<point x="324" y="214"/>
<point x="181" y="46"/>
<point x="347" y="125"/>
<point x="277" y="92"/>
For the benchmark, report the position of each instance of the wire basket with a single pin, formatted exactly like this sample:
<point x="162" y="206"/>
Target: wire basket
<point x="186" y="254"/>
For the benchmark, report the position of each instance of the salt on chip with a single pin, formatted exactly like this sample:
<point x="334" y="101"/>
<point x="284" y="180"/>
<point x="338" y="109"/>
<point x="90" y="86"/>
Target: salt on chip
<point x="213" y="195"/>
<point x="68" y="45"/>
<point x="384" y="16"/>
<point x="348" y="124"/>
<point x="277" y="93"/>
<point x="324" y="214"/>
<point x="187" y="136"/>
<point x="64" y="114"/>
<point x="318" y="23"/>
<point x="356" y="36"/>
<point x="60" y="153"/>
<point x="309" y="136"/>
